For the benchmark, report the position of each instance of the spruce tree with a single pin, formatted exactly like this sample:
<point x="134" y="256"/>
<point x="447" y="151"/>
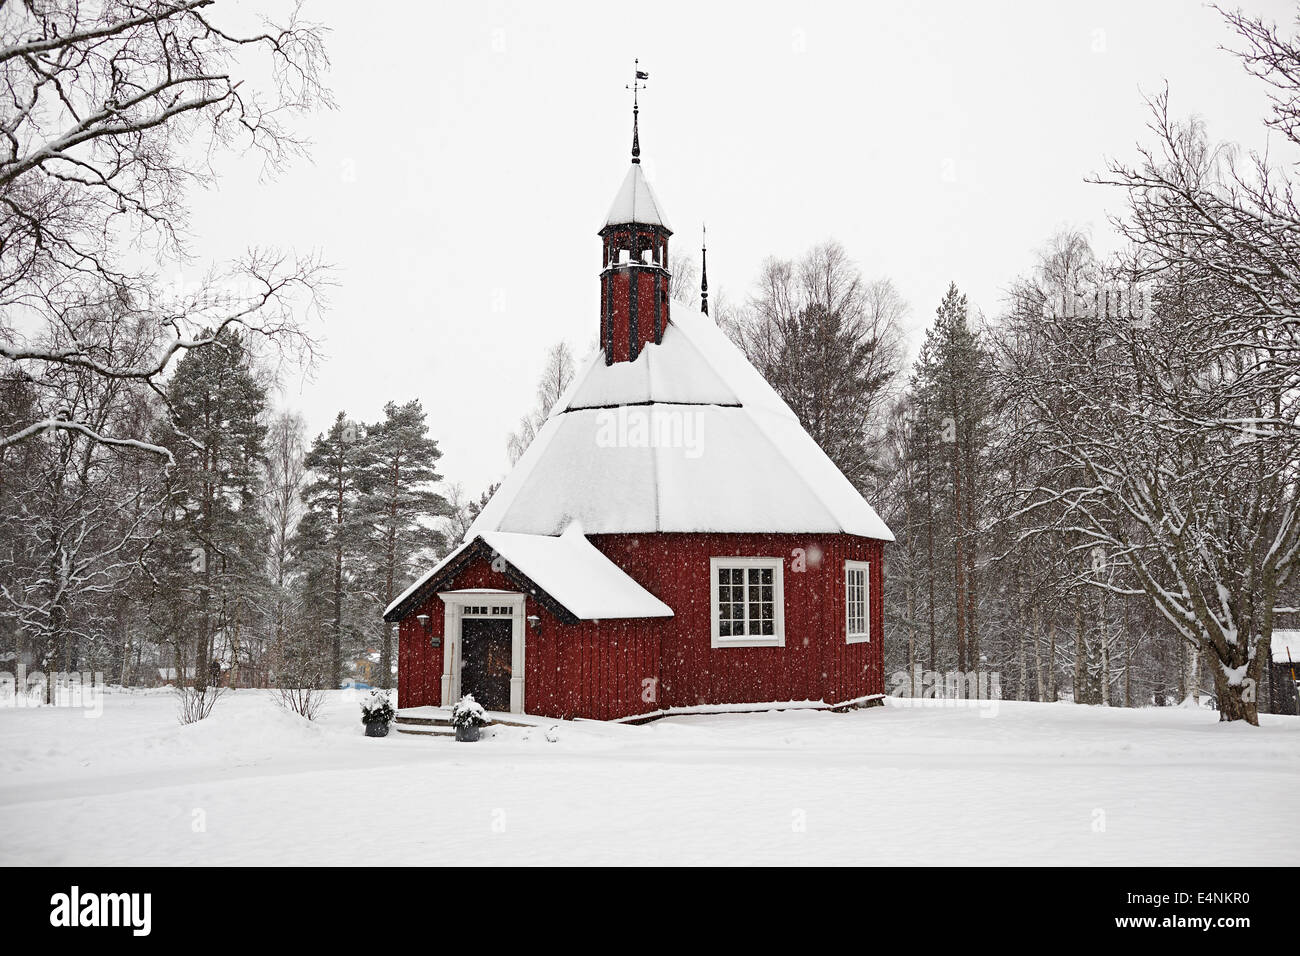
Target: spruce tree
<point x="826" y="371"/>
<point x="829" y="343"/>
<point x="399" y="508"/>
<point x="214" y="530"/>
<point x="331" y="539"/>
<point x="953" y="397"/>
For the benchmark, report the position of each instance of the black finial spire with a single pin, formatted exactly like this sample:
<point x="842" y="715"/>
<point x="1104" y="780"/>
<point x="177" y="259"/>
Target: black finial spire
<point x="638" y="76"/>
<point x="636" y="135"/>
<point x="704" y="270"/>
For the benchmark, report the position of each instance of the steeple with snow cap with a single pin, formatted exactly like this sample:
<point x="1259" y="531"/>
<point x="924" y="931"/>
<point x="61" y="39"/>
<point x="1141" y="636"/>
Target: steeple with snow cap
<point x="634" y="278"/>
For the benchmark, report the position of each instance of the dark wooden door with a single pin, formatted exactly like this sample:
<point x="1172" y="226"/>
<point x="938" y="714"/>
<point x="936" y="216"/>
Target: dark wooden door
<point x="485" y="652"/>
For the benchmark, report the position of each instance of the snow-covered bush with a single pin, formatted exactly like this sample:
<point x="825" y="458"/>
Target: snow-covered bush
<point x="377" y="708"/>
<point x="467" y="712"/>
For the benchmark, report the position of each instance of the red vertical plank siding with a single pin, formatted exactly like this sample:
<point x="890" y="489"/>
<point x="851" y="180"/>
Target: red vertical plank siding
<point x="419" y="665"/>
<point x="406" y="667"/>
<point x="598" y="669"/>
<point x="816" y="662"/>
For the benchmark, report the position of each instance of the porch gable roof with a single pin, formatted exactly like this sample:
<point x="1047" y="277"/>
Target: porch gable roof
<point x="565" y="573"/>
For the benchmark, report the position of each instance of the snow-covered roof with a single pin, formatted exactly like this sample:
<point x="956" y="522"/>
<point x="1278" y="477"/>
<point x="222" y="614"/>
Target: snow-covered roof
<point x="688" y="437"/>
<point x="636" y="202"/>
<point x="673" y="372"/>
<point x="1285" y="641"/>
<point x="568" y="568"/>
<point x="571" y="570"/>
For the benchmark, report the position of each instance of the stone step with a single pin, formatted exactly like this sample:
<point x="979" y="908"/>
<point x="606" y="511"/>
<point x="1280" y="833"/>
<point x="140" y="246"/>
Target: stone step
<point x="431" y="717"/>
<point x="424" y="721"/>
<point x="445" y="720"/>
<point x="427" y="731"/>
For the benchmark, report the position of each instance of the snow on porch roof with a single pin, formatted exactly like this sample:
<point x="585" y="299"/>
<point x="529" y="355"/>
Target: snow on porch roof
<point x="568" y="568"/>
<point x="1286" y="641"/>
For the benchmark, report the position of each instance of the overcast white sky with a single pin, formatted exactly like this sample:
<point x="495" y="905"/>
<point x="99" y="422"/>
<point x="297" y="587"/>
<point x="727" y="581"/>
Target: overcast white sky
<point x="459" y="186"/>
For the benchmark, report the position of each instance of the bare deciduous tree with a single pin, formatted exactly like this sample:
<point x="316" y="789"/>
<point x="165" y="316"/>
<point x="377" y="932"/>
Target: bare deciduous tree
<point x="286" y="446"/>
<point x="113" y="111"/>
<point x="459" y="516"/>
<point x="557" y="373"/>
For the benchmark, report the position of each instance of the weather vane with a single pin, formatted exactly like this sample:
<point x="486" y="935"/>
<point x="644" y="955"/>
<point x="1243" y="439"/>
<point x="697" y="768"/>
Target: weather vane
<point x="638" y="84"/>
<point x="638" y="76"/>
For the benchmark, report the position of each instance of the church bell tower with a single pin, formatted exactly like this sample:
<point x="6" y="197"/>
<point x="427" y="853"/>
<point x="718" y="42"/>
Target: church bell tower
<point x="634" y="277"/>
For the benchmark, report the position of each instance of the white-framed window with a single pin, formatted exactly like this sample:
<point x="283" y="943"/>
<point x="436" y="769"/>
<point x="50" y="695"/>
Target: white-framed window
<point x="857" y="601"/>
<point x="746" y="602"/>
<point x="486" y="610"/>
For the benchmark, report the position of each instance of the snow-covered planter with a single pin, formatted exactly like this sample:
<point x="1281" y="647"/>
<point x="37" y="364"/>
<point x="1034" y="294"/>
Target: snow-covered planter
<point x="377" y="713"/>
<point x="467" y="716"/>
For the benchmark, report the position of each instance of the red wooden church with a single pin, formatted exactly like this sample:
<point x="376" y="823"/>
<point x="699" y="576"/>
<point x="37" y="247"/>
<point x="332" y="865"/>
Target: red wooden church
<point x="672" y="537"/>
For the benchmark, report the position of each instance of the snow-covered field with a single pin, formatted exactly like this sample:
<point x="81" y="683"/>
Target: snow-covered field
<point x="1036" y="783"/>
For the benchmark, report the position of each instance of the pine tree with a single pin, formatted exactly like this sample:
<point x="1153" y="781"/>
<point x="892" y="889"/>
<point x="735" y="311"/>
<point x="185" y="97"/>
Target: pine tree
<point x="828" y="342"/>
<point x="827" y="375"/>
<point x="952" y="390"/>
<point x="216" y="531"/>
<point x="331" y="539"/>
<point x="399" y="507"/>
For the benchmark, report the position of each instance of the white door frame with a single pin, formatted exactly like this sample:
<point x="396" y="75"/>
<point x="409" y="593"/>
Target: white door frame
<point x="454" y="603"/>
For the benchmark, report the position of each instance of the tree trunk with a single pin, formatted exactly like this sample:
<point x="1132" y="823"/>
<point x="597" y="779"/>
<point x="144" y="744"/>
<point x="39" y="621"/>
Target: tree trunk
<point x="20" y="651"/>
<point x="125" y="672"/>
<point x="336" y="655"/>
<point x="958" y="563"/>
<point x="1080" y="657"/>
<point x="1105" y="654"/>
<point x="1051" y="658"/>
<point x="1037" y="618"/>
<point x="336" y="649"/>
<point x="233" y="681"/>
<point x="1128" y="659"/>
<point x="910" y="595"/>
<point x="1235" y="703"/>
<point x="390" y="573"/>
<point x="969" y="553"/>
<point x="1193" y="675"/>
<point x="929" y="545"/>
<point x="1022" y="691"/>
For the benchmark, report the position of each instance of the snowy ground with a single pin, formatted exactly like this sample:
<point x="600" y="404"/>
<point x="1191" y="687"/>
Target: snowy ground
<point x="1037" y="783"/>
